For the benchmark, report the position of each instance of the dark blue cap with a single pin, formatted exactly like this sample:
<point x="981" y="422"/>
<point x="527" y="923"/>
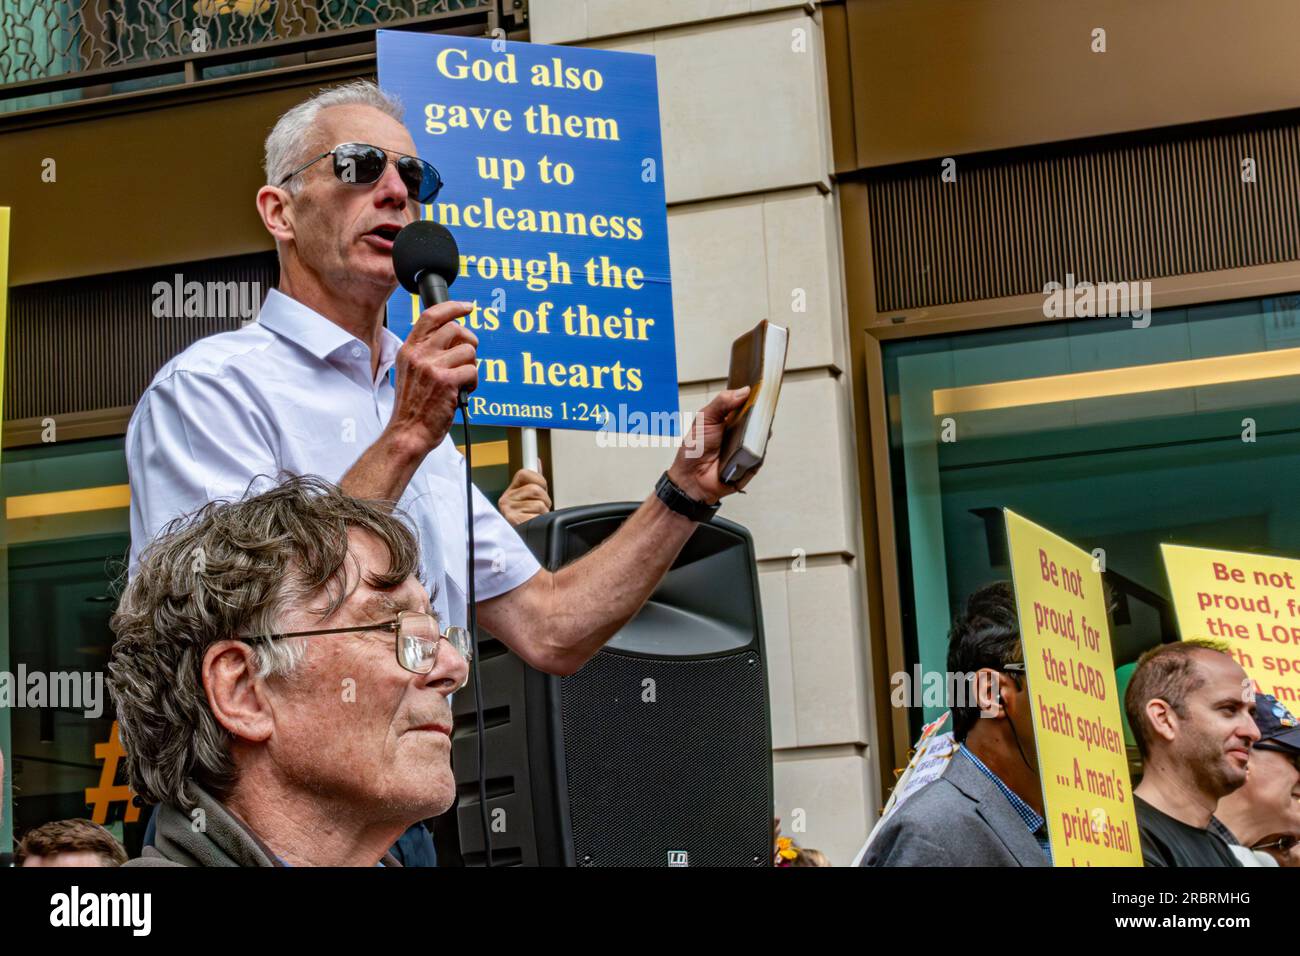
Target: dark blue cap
<point x="1277" y="725"/>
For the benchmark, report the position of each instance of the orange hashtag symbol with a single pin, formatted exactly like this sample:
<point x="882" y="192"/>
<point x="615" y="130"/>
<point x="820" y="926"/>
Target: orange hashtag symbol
<point x="108" y="792"/>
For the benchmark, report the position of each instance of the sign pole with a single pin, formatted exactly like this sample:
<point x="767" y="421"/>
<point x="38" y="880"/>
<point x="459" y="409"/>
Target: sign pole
<point x="528" y="437"/>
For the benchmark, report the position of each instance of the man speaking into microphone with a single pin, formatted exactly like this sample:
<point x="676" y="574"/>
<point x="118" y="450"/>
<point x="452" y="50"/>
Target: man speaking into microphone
<point x="306" y="390"/>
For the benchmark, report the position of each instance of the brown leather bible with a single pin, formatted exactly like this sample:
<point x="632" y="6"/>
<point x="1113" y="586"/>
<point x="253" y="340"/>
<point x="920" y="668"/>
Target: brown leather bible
<point x="757" y="360"/>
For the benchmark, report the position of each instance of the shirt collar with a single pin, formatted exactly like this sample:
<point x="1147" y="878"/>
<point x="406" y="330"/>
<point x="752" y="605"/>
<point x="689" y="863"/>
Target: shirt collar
<point x="388" y="346"/>
<point x="1027" y="813"/>
<point x="1219" y="829"/>
<point x="305" y="327"/>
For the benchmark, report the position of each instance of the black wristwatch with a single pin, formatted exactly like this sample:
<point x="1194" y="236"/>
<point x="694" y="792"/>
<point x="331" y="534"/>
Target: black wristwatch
<point x="679" y="501"/>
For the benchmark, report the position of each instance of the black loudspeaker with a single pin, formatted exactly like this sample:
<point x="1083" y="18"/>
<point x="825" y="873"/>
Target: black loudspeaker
<point x="658" y="752"/>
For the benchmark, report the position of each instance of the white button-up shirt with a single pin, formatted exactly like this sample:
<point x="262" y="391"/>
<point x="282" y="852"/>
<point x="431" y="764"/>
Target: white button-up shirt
<point x="293" y="392"/>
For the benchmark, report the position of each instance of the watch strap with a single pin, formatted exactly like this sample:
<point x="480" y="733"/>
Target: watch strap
<point x="680" y="502"/>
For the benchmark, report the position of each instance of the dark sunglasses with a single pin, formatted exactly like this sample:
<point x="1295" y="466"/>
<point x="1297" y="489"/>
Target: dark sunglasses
<point x="361" y="164"/>
<point x="1015" y="669"/>
<point x="1283" y="844"/>
<point x="1284" y="751"/>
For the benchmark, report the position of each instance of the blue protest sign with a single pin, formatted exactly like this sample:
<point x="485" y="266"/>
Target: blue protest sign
<point x="554" y="191"/>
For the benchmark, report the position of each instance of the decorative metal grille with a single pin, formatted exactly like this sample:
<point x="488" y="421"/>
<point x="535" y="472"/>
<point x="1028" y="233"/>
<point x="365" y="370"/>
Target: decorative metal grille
<point x="46" y="38"/>
<point x="1158" y="204"/>
<point x="121" y="343"/>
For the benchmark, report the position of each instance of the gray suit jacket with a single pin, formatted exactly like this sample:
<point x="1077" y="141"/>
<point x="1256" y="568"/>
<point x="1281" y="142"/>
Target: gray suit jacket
<point x="961" y="819"/>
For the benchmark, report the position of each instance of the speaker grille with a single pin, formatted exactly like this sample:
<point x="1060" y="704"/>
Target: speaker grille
<point x="702" y="742"/>
<point x="1122" y="209"/>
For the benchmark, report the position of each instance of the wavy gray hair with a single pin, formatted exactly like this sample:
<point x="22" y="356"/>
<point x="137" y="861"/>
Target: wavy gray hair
<point x="293" y="139"/>
<point x="228" y="571"/>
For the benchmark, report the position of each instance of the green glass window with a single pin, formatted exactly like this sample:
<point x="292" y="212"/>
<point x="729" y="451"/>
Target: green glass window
<point x="67" y="531"/>
<point x="1117" y="438"/>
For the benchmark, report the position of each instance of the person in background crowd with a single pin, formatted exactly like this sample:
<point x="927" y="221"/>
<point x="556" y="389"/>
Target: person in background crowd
<point x="1266" y="808"/>
<point x="986" y="809"/>
<point x="1191" y="708"/>
<point x="279" y="677"/>
<point x="789" y="853"/>
<point x="69" y="843"/>
<point x="809" y="857"/>
<point x="526" y="498"/>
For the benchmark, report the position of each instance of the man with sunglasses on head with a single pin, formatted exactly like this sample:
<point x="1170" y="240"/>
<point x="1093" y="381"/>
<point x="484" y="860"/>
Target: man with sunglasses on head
<point x="282" y="685"/>
<point x="1263" y="815"/>
<point x="986" y="809"/>
<point x="306" y="390"/>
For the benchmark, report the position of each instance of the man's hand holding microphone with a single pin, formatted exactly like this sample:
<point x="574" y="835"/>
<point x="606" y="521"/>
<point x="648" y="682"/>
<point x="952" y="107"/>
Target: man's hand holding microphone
<point x="436" y="363"/>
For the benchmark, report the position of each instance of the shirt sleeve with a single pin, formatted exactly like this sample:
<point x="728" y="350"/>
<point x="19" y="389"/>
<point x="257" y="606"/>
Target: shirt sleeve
<point x="502" y="561"/>
<point x="193" y="438"/>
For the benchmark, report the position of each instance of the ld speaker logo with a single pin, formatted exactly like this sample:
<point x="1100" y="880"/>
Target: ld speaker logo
<point x="679" y="858"/>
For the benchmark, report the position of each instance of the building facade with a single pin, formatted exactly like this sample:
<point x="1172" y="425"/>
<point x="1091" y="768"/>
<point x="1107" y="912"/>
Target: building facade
<point x="902" y="184"/>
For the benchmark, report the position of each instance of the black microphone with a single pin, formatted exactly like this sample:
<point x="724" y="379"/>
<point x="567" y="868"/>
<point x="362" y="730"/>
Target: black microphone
<point x="427" y="260"/>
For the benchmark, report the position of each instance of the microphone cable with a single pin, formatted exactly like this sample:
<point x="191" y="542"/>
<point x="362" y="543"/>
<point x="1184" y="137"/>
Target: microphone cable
<point x="472" y="607"/>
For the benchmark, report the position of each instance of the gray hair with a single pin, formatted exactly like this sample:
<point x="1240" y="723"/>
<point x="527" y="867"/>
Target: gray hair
<point x="292" y="140"/>
<point x="228" y="571"/>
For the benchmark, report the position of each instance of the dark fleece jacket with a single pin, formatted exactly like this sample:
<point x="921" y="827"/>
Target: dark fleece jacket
<point x="223" y="840"/>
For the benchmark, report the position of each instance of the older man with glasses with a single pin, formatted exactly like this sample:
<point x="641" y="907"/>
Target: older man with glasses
<point x="282" y="683"/>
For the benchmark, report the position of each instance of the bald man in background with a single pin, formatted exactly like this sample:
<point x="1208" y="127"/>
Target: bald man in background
<point x="1192" y="710"/>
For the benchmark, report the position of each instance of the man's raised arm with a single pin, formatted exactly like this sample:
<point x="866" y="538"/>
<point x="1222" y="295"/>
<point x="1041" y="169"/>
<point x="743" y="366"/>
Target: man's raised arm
<point x="556" y="622"/>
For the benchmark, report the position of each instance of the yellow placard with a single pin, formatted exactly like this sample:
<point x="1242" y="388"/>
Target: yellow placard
<point x="1248" y="601"/>
<point x="1087" y="795"/>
